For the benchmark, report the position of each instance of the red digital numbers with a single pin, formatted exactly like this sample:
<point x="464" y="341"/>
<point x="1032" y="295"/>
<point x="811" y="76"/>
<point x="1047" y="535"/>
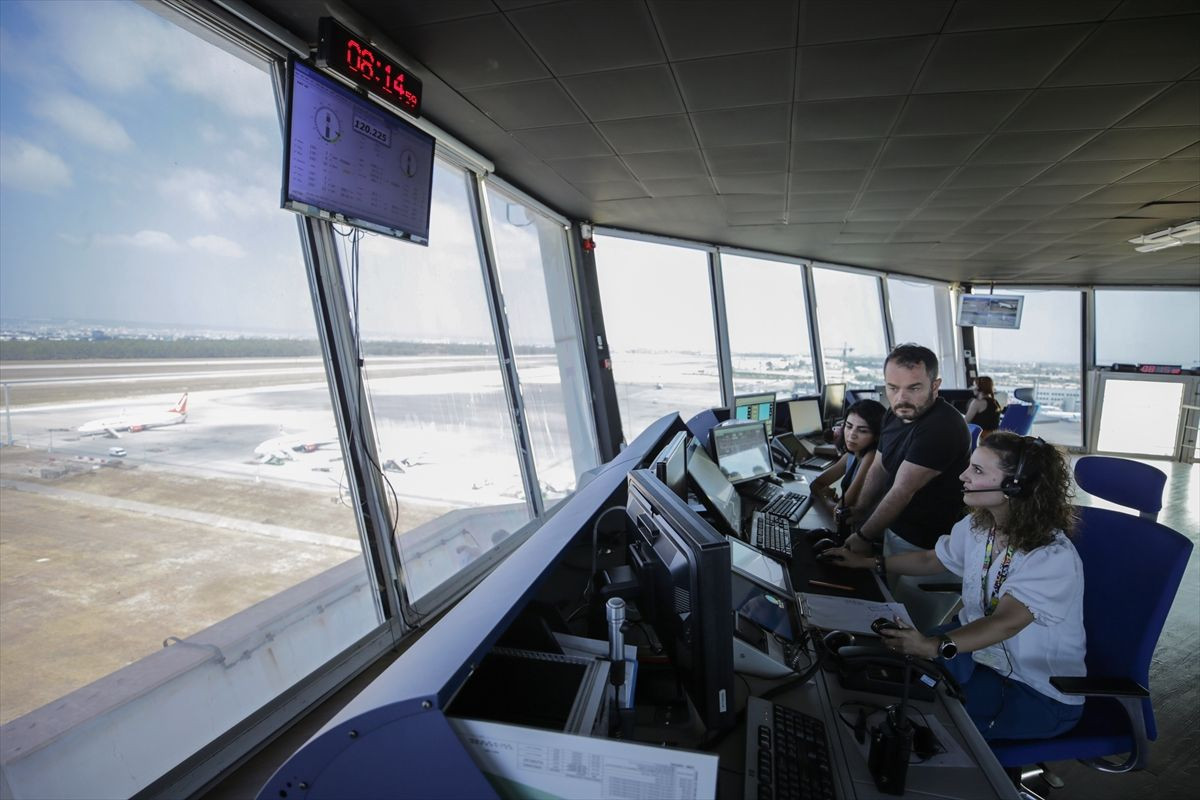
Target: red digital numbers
<point x="362" y="61"/>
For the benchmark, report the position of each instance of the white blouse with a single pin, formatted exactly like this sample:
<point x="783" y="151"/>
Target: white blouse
<point x="1049" y="582"/>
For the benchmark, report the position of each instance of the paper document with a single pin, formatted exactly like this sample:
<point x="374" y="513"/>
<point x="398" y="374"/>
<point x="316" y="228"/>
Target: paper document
<point x="533" y="763"/>
<point x="848" y="613"/>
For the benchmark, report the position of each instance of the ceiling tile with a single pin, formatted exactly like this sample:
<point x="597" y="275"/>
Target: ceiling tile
<point x="900" y="178"/>
<point x="762" y="183"/>
<point x="611" y="190"/>
<point x="753" y="79"/>
<point x="592" y="169"/>
<point x="590" y="35"/>
<point x="669" y="164"/>
<point x="957" y="112"/>
<point x="878" y="214"/>
<point x="749" y="203"/>
<point x="1133" y="51"/>
<point x="479" y="51"/>
<point x="1079" y="108"/>
<point x="834" y="154"/>
<point x="946" y="213"/>
<point x="869" y="118"/>
<point x="626" y="93"/>
<point x="703" y="28"/>
<point x="1049" y="195"/>
<point x="820" y="200"/>
<point x="922" y="151"/>
<point x="526" y="105"/>
<point x="1179" y="105"/>
<point x="893" y="199"/>
<point x="649" y="134"/>
<point x="754" y="125"/>
<point x="974" y="175"/>
<point x="1010" y="148"/>
<point x="749" y="158"/>
<point x="851" y="20"/>
<point x="563" y="141"/>
<point x="1133" y="143"/>
<point x="679" y="187"/>
<point x="983" y="195"/>
<point x="1135" y="192"/>
<point x="859" y="69"/>
<point x="1011" y="59"/>
<point x="827" y="180"/>
<point x="1167" y="171"/>
<point x="971" y="15"/>
<point x="1095" y="172"/>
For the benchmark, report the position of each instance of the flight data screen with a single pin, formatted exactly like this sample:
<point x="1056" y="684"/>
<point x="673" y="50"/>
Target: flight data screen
<point x="351" y="160"/>
<point x="742" y="452"/>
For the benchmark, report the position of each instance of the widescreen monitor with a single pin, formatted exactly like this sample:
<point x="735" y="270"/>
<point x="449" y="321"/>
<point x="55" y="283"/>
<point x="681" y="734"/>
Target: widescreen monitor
<point x="349" y="160"/>
<point x="833" y="403"/>
<point x="743" y="450"/>
<point x="769" y="608"/>
<point x="990" y="310"/>
<point x="714" y="489"/>
<point x="755" y="407"/>
<point x="806" y="416"/>
<point x="670" y="465"/>
<point x="683" y="569"/>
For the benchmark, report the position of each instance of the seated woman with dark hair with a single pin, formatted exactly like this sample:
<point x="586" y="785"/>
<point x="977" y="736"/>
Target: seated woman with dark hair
<point x="984" y="410"/>
<point x="1022" y="615"/>
<point x="859" y="437"/>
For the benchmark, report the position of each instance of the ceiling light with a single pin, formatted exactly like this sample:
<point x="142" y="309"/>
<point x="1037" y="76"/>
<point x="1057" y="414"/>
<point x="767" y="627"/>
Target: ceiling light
<point x="1187" y="233"/>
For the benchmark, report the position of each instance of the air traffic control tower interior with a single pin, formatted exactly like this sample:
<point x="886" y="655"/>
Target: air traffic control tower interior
<point x="511" y="336"/>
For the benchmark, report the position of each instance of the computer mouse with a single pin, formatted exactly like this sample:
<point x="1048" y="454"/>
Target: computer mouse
<point x="821" y="545"/>
<point x="787" y="476"/>
<point x="883" y="624"/>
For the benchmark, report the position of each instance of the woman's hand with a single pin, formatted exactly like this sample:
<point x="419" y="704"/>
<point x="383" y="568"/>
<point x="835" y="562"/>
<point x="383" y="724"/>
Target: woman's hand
<point x="845" y="557"/>
<point x="855" y="543"/>
<point x="909" y="641"/>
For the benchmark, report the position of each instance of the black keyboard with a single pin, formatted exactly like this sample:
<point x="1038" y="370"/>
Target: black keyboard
<point x="787" y="754"/>
<point x="816" y="462"/>
<point x="787" y="504"/>
<point x="772" y="535"/>
<point x="765" y="492"/>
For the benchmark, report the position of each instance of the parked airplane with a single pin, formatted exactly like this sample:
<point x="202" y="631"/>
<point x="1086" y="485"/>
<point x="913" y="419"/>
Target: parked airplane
<point x="282" y="448"/>
<point x="136" y="422"/>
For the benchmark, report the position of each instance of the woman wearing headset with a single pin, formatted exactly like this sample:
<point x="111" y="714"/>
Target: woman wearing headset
<point x="1022" y="615"/>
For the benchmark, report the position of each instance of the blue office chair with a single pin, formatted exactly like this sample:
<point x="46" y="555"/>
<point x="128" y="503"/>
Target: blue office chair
<point x="1124" y="482"/>
<point x="975" y="430"/>
<point x="1128" y="591"/>
<point x="1018" y="417"/>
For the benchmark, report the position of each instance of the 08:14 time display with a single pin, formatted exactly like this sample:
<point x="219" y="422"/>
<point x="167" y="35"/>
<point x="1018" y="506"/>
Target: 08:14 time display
<point x="352" y="57"/>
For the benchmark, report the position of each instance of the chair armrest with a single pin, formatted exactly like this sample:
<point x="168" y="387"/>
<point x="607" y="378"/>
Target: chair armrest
<point x="954" y="588"/>
<point x="1099" y="686"/>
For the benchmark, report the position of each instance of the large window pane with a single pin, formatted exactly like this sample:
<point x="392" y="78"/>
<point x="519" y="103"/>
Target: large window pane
<point x="916" y="310"/>
<point x="659" y="320"/>
<point x="1140" y="416"/>
<point x="768" y="326"/>
<point x="1148" y="327"/>
<point x="144" y="262"/>
<point x="851" y="325"/>
<point x="1043" y="354"/>
<point x="535" y="276"/>
<point x="441" y="413"/>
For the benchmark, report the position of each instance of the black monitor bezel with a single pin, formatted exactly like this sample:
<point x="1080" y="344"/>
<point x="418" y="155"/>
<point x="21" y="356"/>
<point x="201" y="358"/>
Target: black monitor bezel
<point x="732" y="425"/>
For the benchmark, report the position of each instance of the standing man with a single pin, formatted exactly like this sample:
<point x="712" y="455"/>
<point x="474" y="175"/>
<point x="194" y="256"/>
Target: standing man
<point x="913" y="485"/>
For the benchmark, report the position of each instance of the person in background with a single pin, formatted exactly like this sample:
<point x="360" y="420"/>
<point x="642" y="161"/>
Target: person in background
<point x="911" y="494"/>
<point x="984" y="409"/>
<point x="1022" y="591"/>
<point x="859" y="437"/>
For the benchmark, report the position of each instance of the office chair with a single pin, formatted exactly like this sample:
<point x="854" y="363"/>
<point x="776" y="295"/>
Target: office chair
<point x="1124" y="482"/>
<point x="1128" y="591"/>
<point x="975" y="430"/>
<point x="1018" y="417"/>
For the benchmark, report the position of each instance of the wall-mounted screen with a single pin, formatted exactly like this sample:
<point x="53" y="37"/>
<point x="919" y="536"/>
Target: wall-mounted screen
<point x="349" y="160"/>
<point x="990" y="310"/>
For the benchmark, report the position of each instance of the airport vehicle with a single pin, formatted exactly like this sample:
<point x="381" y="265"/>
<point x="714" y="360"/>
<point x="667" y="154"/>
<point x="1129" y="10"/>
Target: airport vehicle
<point x="118" y="452"/>
<point x="137" y="422"/>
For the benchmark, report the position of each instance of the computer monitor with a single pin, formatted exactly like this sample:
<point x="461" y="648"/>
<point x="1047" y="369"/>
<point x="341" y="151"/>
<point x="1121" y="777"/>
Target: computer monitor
<point x="743" y="450"/>
<point x="833" y="403"/>
<point x="683" y="569"/>
<point x="714" y="489"/>
<point x="767" y="607"/>
<point x="755" y="407"/>
<point x="806" y="416"/>
<point x="670" y="465"/>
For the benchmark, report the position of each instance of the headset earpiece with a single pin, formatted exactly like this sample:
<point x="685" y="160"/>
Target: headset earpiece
<point x="1018" y="484"/>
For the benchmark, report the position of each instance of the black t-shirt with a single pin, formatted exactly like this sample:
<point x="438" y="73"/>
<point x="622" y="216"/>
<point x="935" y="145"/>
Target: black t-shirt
<point x="989" y="418"/>
<point x="938" y="439"/>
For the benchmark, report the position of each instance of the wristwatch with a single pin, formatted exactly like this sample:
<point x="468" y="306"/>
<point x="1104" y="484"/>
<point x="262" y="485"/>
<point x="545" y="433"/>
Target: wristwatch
<point x="880" y="566"/>
<point x="947" y="649"/>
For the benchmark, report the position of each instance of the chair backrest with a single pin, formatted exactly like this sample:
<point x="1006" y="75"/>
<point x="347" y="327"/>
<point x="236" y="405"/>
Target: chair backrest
<point x="1132" y="569"/>
<point x="1122" y="481"/>
<point x="974" y="429"/>
<point x="1019" y="418"/>
<point x="1023" y="394"/>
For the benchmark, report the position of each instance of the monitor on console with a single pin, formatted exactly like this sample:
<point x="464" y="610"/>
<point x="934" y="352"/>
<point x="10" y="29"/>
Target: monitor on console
<point x="683" y="569"/>
<point x="714" y="489"/>
<point x="670" y="465"/>
<point x="755" y="407"/>
<point x="833" y="403"/>
<point x="743" y="450"/>
<point x="806" y="416"/>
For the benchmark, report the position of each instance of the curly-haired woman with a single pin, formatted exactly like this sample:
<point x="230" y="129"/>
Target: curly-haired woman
<point x="1022" y="615"/>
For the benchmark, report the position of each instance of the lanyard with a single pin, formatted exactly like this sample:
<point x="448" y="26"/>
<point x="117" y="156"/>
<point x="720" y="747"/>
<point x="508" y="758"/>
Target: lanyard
<point x="990" y="605"/>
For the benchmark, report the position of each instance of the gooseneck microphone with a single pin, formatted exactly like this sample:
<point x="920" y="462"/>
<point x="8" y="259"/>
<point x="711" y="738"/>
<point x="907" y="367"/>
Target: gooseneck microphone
<point x="614" y="611"/>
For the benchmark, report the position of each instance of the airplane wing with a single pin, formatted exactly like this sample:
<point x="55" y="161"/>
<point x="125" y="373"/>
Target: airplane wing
<point x="111" y="433"/>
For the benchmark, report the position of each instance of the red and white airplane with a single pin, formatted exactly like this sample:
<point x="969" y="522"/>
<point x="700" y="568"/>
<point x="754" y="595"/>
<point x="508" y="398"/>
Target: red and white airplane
<point x="136" y="422"/>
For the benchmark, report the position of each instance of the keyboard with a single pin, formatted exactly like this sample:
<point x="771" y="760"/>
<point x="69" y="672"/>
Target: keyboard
<point x="765" y="492"/>
<point x="816" y="462"/>
<point x="787" y="754"/>
<point x="772" y="535"/>
<point x="787" y="504"/>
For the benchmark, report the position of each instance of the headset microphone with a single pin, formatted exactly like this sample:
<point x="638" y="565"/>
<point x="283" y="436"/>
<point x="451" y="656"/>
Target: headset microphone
<point x="975" y="491"/>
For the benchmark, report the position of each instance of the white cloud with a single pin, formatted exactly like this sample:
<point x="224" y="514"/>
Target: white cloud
<point x="25" y="165"/>
<point x="83" y="121"/>
<point x="144" y="239"/>
<point x="211" y="197"/>
<point x="217" y="246"/>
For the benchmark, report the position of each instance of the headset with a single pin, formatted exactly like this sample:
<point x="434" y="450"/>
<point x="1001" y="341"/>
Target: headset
<point x="1020" y="483"/>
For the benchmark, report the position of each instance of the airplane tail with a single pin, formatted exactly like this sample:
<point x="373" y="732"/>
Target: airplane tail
<point x="181" y="406"/>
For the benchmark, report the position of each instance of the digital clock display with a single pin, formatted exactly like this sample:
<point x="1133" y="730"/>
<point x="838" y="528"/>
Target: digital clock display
<point x="1160" y="369"/>
<point x="353" y="57"/>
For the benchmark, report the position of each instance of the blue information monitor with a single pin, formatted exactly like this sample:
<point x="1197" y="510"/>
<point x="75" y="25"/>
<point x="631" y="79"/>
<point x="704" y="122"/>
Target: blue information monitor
<point x="756" y="408"/>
